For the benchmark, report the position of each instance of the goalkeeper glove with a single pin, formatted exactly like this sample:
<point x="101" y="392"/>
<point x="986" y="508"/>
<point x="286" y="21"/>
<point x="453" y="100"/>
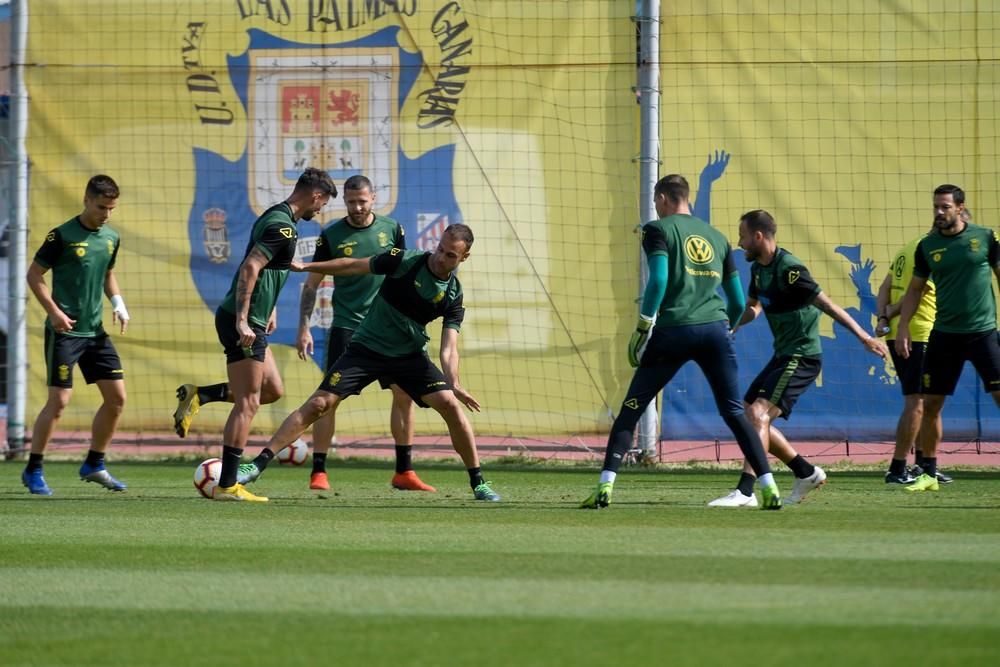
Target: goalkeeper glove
<point x="637" y="344"/>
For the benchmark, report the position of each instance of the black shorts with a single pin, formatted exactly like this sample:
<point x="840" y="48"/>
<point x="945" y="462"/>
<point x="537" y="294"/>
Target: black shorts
<point x="97" y="357"/>
<point x="225" y="328"/>
<point x="908" y="370"/>
<point x="783" y="380"/>
<point x="337" y="340"/>
<point x="946" y="356"/>
<point x="358" y="367"/>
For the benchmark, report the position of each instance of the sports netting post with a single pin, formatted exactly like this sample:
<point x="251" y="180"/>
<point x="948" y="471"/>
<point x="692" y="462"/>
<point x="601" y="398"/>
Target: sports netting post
<point x="17" y="346"/>
<point x="648" y="89"/>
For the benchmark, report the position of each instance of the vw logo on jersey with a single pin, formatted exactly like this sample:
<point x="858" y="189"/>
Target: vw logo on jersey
<point x="698" y="249"/>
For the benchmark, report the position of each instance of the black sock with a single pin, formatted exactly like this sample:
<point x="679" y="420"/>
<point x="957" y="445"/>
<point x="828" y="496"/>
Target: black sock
<point x="800" y="467"/>
<point x="263" y="458"/>
<point x="34" y="462"/>
<point x="475" y="477"/>
<point x="918" y="458"/>
<point x="94" y="459"/>
<point x="929" y="464"/>
<point x="746" y="484"/>
<point x="749" y="442"/>
<point x="897" y="466"/>
<point x="213" y="393"/>
<point x="230" y="465"/>
<point x="319" y="462"/>
<point x="404" y="458"/>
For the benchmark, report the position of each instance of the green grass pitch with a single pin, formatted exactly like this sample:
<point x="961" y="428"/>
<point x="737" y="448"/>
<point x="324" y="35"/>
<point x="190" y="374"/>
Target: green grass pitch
<point x="861" y="574"/>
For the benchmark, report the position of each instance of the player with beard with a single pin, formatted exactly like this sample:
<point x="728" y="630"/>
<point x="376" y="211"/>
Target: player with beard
<point x="243" y="322"/>
<point x="961" y="258"/>
<point x="783" y="289"/>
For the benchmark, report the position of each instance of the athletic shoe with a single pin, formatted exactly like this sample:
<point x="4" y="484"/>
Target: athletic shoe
<point x="188" y="405"/>
<point x="35" y="481"/>
<point x="923" y="483"/>
<point x="99" y="475"/>
<point x="805" y="485"/>
<point x="601" y="497"/>
<point x="735" y="498"/>
<point x="484" y="492"/>
<point x="408" y="481"/>
<point x="902" y="478"/>
<point x="917" y="471"/>
<point x="248" y="473"/>
<point x="770" y="499"/>
<point x="318" y="481"/>
<point x="236" y="492"/>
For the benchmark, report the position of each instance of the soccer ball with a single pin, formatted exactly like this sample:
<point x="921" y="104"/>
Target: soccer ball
<point x="206" y="476"/>
<point x="294" y="454"/>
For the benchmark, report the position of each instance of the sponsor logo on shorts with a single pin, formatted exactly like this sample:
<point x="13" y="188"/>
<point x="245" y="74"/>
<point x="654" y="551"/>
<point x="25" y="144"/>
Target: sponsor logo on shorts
<point x="631" y="403"/>
<point x="63" y="372"/>
<point x="334" y="378"/>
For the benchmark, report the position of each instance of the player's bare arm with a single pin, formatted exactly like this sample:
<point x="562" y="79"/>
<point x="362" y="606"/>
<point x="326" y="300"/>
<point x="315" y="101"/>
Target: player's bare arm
<point x="342" y="266"/>
<point x="60" y="321"/>
<point x="245" y="282"/>
<point x="118" y="311"/>
<point x="750" y="313"/>
<point x="908" y="306"/>
<point x="449" y="366"/>
<point x="872" y="344"/>
<point x="307" y="302"/>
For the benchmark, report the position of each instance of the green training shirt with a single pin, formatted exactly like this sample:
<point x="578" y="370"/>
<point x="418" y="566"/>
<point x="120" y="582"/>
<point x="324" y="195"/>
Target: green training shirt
<point x="786" y="291"/>
<point x="410" y="298"/>
<point x="962" y="269"/>
<point x="353" y="295"/>
<point x="698" y="258"/>
<point x="80" y="259"/>
<point x="276" y="234"/>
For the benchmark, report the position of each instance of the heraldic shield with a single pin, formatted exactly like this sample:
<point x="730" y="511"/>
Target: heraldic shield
<point x="336" y="107"/>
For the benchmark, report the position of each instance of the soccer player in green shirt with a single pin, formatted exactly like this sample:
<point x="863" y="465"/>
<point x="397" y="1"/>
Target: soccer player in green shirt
<point x="962" y="259"/>
<point x="688" y="260"/>
<point x="81" y="254"/>
<point x="361" y="233"/>
<point x="243" y="322"/>
<point x="890" y="295"/>
<point x="390" y="344"/>
<point x="783" y="289"/>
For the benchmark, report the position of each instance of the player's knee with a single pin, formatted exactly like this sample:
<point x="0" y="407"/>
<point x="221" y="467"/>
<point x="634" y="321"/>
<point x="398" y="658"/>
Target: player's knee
<point x="319" y="405"/>
<point x="448" y="406"/>
<point x="248" y="405"/>
<point x="116" y="404"/>
<point x="271" y="393"/>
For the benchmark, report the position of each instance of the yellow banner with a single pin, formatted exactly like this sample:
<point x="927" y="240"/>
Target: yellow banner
<point x="514" y="117"/>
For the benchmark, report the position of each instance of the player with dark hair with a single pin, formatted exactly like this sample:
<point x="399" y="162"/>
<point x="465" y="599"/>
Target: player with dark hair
<point x="688" y="260"/>
<point x="389" y="344"/>
<point x="243" y="322"/>
<point x="361" y="233"/>
<point x="783" y="289"/>
<point x="962" y="259"/>
<point x="890" y="294"/>
<point x="81" y="254"/>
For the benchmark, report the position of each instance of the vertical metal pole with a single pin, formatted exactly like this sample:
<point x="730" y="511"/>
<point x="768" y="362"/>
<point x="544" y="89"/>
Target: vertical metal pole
<point x="17" y="347"/>
<point x="649" y="162"/>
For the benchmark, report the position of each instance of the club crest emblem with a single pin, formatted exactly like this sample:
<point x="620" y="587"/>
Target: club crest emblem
<point x="216" y="236"/>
